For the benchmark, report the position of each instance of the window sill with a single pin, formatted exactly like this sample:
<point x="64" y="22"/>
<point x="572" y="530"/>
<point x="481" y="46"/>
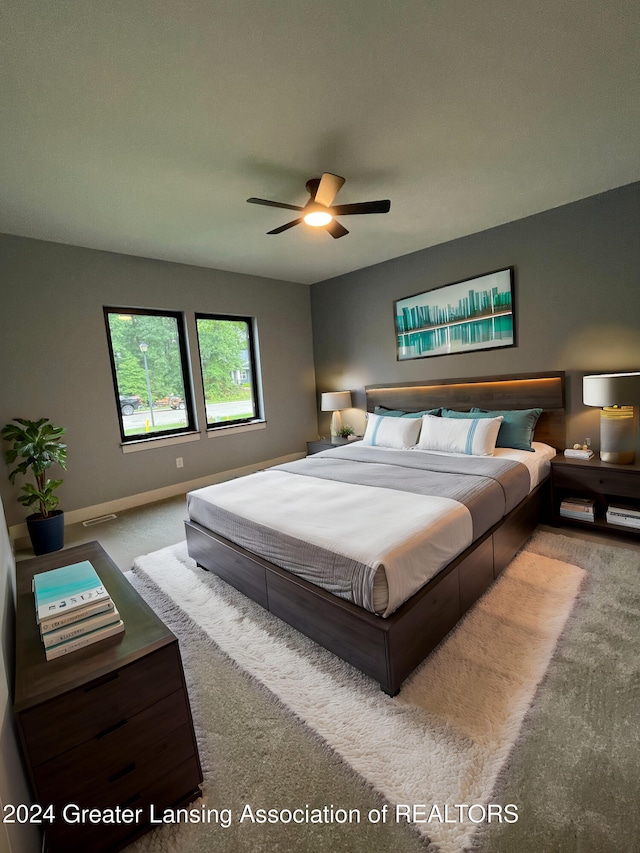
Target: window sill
<point x="164" y="441"/>
<point x="222" y="429"/>
<point x="169" y="440"/>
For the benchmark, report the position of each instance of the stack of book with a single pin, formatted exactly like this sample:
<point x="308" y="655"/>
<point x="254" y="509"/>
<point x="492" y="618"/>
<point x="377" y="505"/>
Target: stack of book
<point x="627" y="516"/>
<point x="582" y="509"/>
<point x="73" y="609"/>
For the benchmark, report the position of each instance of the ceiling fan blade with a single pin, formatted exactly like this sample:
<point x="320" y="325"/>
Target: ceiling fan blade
<point x="285" y="227"/>
<point x="380" y="206"/>
<point x="328" y="188"/>
<point x="268" y="203"/>
<point x="336" y="229"/>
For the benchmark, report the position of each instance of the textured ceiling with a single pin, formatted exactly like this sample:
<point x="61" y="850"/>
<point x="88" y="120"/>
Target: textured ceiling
<point x="142" y="127"/>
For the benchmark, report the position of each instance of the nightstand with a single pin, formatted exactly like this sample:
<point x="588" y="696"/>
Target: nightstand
<point x="325" y="444"/>
<point x="604" y="482"/>
<point x="106" y="726"/>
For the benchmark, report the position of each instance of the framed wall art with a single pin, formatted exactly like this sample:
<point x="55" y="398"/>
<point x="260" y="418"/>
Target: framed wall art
<point x="474" y="314"/>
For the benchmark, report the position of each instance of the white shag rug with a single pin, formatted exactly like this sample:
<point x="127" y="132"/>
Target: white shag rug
<point x="445" y="738"/>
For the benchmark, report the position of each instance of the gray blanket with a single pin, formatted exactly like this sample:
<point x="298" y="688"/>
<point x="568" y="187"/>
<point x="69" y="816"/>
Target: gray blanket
<point x="488" y="487"/>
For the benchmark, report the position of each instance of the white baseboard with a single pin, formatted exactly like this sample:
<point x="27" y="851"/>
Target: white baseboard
<point x="16" y="531"/>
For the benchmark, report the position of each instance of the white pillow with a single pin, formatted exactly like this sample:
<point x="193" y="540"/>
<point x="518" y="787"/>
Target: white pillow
<point x="472" y="436"/>
<point x="398" y="433"/>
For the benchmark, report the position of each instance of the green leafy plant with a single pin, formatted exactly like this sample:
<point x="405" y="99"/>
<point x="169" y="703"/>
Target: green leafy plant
<point x="346" y="431"/>
<point x="38" y="444"/>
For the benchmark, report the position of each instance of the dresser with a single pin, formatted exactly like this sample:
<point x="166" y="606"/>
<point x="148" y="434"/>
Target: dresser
<point x="108" y="727"/>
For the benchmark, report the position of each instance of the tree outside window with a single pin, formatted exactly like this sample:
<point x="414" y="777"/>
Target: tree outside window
<point x="229" y="372"/>
<point x="149" y="365"/>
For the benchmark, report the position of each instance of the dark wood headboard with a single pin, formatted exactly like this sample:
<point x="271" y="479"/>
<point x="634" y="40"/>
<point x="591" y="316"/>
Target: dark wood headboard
<point x="521" y="391"/>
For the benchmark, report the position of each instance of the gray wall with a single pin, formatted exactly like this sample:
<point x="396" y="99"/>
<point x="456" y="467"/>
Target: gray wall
<point x="577" y="296"/>
<point x="577" y="271"/>
<point x="55" y="363"/>
<point x="13" y="781"/>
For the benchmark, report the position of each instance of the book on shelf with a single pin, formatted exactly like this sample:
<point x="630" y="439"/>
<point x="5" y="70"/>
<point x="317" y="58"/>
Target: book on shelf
<point x="80" y="627"/>
<point x="624" y="520"/>
<point x="55" y="622"/>
<point x="576" y="453"/>
<point x="578" y="505"/>
<point x="67" y="589"/>
<point x="580" y="516"/>
<point x="624" y="511"/>
<point x="84" y="640"/>
<point x="582" y="509"/>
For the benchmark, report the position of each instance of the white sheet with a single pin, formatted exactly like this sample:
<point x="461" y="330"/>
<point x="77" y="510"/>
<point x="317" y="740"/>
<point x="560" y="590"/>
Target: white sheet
<point x="537" y="463"/>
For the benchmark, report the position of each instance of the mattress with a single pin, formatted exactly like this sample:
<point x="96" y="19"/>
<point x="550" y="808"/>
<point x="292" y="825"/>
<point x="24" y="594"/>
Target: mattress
<point x="368" y="524"/>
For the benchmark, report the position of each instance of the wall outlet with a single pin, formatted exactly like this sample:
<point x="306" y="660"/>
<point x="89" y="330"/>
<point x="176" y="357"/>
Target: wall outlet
<point x="179" y="462"/>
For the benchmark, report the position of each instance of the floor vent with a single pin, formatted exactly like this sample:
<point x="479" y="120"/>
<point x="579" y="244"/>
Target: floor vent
<point x="91" y="521"/>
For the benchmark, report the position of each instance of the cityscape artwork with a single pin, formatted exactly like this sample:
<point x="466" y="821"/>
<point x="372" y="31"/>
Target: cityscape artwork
<point x="468" y="315"/>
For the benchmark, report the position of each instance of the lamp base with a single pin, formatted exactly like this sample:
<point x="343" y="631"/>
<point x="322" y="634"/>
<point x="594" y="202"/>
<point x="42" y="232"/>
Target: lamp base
<point x="618" y="458"/>
<point x="336" y="423"/>
<point x="618" y="434"/>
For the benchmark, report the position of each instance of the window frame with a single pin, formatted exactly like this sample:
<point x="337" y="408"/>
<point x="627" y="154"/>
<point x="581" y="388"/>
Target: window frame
<point x="183" y="349"/>
<point x="254" y="367"/>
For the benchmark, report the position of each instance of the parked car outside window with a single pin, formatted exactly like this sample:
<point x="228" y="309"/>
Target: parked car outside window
<point x="128" y="405"/>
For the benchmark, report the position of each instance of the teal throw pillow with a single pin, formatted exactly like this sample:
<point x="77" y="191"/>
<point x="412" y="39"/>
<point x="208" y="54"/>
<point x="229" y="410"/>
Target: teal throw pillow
<point x="398" y="413"/>
<point x="517" y="426"/>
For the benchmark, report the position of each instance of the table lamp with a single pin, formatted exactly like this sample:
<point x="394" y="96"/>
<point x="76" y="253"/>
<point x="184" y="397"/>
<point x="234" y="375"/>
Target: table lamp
<point x="335" y="401"/>
<point x="617" y="395"/>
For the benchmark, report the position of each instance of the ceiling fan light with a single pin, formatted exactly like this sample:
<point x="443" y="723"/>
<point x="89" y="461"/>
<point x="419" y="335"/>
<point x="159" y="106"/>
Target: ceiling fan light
<point x="318" y="218"/>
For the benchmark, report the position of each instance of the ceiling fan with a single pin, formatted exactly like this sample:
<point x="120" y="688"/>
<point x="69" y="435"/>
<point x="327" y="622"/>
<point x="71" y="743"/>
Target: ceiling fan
<point x="320" y="211"/>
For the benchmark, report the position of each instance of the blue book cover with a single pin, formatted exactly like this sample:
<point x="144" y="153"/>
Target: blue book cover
<point x="66" y="589"/>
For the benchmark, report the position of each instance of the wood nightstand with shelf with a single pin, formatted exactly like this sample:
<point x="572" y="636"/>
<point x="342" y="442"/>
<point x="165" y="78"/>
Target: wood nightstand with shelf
<point x="109" y="725"/>
<point x="604" y="482"/>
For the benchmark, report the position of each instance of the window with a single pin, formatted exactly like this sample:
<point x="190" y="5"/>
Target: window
<point x="150" y="372"/>
<point x="229" y="369"/>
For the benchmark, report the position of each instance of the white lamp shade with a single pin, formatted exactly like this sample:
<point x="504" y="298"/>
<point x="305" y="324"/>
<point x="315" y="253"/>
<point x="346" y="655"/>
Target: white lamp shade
<point x="611" y="389"/>
<point x="335" y="401"/>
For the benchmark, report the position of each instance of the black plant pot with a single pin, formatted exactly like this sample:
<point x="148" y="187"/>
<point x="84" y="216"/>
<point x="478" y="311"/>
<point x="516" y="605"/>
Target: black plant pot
<point x="46" y="534"/>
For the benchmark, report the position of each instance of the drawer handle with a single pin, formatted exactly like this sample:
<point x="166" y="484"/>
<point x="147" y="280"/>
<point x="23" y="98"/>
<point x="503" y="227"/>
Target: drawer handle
<point x="101" y="681"/>
<point x="125" y="770"/>
<point x="111" y="729"/>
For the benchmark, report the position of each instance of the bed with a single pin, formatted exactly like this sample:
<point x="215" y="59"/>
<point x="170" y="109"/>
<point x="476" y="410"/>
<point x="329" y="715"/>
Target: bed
<point x="447" y="523"/>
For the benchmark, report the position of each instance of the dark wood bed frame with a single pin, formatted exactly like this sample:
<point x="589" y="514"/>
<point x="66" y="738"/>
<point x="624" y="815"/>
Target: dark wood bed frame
<point x="388" y="650"/>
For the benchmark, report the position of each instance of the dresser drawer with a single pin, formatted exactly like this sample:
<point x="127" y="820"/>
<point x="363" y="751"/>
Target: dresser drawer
<point x="110" y="786"/>
<point x="168" y="790"/>
<point x="600" y="481"/>
<point x="91" y="711"/>
<point x="104" y="757"/>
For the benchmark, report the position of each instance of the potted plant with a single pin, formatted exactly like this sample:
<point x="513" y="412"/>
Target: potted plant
<point x="38" y="444"/>
<point x="346" y="431"/>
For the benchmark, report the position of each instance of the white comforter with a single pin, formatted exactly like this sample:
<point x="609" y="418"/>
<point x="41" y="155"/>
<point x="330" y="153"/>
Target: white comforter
<point x="405" y="538"/>
<point x="408" y="537"/>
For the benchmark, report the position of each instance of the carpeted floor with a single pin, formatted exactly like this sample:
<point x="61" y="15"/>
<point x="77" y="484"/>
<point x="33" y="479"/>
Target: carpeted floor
<point x="127" y="533"/>
<point x="575" y="769"/>
<point x="541" y="767"/>
<point x="573" y="772"/>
